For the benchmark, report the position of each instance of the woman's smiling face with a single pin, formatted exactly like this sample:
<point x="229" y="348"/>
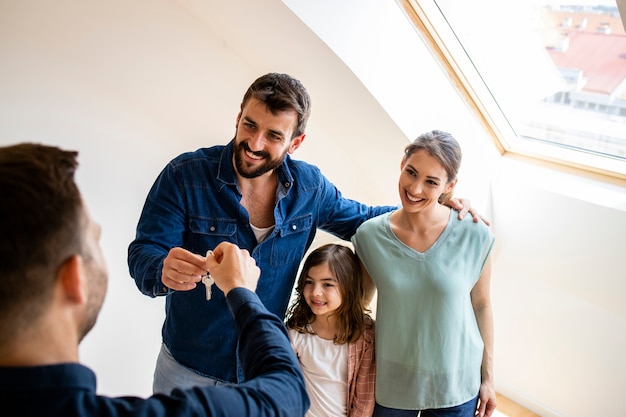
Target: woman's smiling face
<point x="423" y="179"/>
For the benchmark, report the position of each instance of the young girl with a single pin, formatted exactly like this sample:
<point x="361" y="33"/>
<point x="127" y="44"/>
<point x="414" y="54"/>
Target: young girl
<point x="332" y="334"/>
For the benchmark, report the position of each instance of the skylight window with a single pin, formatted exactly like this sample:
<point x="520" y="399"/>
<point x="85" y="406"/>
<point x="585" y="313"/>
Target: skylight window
<point x="552" y="73"/>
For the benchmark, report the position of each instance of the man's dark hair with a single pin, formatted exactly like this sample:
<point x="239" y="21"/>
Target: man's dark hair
<point x="281" y="92"/>
<point x="41" y="226"/>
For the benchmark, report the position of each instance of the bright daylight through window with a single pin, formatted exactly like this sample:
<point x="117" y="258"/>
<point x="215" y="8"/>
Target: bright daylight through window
<point x="556" y="70"/>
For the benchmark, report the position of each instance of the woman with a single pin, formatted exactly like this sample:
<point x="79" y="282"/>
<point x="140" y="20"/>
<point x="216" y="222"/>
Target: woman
<point x="434" y="332"/>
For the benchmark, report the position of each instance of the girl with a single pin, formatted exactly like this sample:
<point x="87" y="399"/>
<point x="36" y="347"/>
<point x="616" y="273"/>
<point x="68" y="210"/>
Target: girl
<point x="432" y="271"/>
<point x="332" y="335"/>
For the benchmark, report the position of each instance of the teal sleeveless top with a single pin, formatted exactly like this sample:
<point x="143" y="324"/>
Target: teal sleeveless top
<point x="428" y="346"/>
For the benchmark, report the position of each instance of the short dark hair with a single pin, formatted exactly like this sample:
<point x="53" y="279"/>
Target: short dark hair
<point x="281" y="92"/>
<point x="41" y="225"/>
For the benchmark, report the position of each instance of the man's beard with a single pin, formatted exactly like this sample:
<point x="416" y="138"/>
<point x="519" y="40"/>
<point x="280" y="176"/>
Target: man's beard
<point x="97" y="282"/>
<point x="269" y="165"/>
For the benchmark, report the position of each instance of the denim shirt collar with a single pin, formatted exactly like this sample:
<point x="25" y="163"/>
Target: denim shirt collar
<point x="226" y="172"/>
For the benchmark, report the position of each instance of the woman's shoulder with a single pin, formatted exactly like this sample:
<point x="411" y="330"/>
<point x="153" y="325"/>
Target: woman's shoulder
<point x="468" y="225"/>
<point x="374" y="224"/>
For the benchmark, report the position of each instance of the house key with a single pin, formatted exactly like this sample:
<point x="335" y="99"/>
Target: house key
<point x="208" y="280"/>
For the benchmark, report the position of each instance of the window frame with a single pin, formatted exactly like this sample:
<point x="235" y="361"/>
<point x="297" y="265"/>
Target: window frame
<point x="446" y="48"/>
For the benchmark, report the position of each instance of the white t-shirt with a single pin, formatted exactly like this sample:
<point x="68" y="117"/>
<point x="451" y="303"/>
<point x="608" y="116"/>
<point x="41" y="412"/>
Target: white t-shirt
<point x="325" y="368"/>
<point x="261" y="232"/>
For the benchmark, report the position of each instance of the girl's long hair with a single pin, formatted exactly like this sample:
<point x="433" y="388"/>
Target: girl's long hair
<point x="344" y="265"/>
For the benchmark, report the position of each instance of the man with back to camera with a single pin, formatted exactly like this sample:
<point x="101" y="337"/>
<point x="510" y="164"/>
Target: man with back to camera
<point x="53" y="281"/>
<point x="249" y="192"/>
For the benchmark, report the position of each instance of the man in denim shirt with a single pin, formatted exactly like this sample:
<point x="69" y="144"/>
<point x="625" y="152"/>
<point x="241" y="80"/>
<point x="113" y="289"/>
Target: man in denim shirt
<point x="248" y="192"/>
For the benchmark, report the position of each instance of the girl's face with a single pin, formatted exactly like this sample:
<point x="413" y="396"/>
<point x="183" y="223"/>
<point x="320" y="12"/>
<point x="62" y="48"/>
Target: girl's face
<point x="321" y="290"/>
<point x="422" y="180"/>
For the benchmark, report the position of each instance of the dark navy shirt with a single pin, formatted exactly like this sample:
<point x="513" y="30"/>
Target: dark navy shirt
<point x="195" y="204"/>
<point x="277" y="387"/>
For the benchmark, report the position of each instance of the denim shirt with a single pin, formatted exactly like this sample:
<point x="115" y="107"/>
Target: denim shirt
<point x="195" y="204"/>
<point x="276" y="386"/>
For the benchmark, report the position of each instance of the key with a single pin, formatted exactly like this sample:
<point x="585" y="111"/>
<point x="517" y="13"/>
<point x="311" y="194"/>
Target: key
<point x="208" y="282"/>
<point x="207" y="279"/>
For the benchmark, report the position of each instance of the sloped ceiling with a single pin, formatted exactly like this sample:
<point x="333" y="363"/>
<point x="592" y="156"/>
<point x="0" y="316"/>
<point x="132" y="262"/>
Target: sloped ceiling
<point x="621" y="6"/>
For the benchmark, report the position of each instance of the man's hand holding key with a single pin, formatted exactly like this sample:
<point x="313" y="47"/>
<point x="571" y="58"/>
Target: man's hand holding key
<point x="182" y="270"/>
<point x="232" y="267"/>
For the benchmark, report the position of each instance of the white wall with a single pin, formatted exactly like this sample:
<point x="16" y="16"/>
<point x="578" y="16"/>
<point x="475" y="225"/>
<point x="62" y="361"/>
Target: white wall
<point x="131" y="84"/>
<point x="560" y="291"/>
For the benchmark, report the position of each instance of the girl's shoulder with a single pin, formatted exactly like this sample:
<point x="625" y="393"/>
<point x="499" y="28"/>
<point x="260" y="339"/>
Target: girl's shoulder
<point x="300" y="337"/>
<point x="369" y="328"/>
<point x="303" y="329"/>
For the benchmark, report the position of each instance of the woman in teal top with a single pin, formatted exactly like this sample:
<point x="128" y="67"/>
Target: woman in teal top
<point x="434" y="333"/>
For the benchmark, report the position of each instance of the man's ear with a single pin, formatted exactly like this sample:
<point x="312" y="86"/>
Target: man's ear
<point x="295" y="143"/>
<point x="71" y="277"/>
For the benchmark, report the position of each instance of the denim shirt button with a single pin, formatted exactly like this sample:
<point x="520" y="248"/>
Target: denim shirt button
<point x="294" y="227"/>
<point x="287" y="184"/>
<point x="212" y="228"/>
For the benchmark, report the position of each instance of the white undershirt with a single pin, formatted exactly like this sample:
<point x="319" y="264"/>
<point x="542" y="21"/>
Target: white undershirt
<point x="325" y="368"/>
<point x="261" y="232"/>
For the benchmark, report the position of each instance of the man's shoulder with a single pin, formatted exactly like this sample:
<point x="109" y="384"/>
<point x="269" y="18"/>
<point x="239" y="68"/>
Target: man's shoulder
<point x="304" y="173"/>
<point x="200" y="153"/>
<point x="201" y="156"/>
<point x="301" y="166"/>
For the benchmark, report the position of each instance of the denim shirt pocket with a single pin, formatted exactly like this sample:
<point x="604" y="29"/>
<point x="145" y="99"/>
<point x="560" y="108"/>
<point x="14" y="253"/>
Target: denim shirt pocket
<point x="207" y="232"/>
<point x="292" y="240"/>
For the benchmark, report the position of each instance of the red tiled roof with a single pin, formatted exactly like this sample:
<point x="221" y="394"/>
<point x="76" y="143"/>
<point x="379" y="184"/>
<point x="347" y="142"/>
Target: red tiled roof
<point x="602" y="58"/>
<point x="587" y="22"/>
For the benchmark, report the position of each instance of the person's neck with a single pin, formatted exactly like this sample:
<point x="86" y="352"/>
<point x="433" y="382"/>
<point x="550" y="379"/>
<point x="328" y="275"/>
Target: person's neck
<point x="325" y="327"/>
<point x="263" y="182"/>
<point x="423" y="221"/>
<point x="259" y="198"/>
<point x="38" y="345"/>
